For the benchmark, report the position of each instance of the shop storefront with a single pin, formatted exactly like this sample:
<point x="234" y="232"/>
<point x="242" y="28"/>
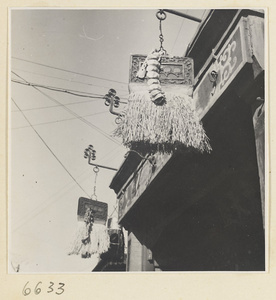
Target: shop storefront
<point x="194" y="211"/>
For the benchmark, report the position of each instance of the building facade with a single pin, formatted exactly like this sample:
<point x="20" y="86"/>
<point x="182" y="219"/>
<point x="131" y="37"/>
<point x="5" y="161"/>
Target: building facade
<point x="206" y="212"/>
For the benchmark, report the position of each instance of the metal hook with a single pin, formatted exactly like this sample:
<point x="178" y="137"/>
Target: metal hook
<point x="161" y="15"/>
<point x="213" y="76"/>
<point x="96" y="169"/>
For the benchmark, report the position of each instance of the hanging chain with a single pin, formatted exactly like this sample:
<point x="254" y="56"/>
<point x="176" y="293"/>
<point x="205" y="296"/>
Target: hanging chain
<point x="161" y="16"/>
<point x="96" y="171"/>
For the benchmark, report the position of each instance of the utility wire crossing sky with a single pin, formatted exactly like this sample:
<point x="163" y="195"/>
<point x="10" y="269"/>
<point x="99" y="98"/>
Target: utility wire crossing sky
<point x="58" y="58"/>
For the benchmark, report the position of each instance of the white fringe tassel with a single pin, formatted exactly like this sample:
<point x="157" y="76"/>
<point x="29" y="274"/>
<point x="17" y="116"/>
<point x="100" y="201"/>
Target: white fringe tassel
<point x="99" y="240"/>
<point x="150" y="128"/>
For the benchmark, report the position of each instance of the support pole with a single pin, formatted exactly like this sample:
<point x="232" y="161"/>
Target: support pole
<point x="177" y="13"/>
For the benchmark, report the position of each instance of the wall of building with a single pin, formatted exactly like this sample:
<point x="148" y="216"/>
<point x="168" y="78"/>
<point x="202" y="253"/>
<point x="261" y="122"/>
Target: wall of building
<point x="205" y="212"/>
<point x="138" y="258"/>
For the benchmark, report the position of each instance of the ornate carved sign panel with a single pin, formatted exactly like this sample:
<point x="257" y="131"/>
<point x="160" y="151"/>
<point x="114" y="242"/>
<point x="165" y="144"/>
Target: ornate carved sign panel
<point x="99" y="208"/>
<point x="233" y="56"/>
<point x="174" y="70"/>
<point x="140" y="182"/>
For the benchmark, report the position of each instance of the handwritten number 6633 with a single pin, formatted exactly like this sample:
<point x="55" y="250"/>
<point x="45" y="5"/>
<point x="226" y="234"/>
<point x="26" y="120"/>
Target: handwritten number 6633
<point x="37" y="290"/>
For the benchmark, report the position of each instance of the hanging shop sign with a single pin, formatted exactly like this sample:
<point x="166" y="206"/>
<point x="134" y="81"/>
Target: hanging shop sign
<point x="160" y="116"/>
<point x="229" y="63"/>
<point x="140" y="182"/>
<point x="99" y="209"/>
<point x="91" y="235"/>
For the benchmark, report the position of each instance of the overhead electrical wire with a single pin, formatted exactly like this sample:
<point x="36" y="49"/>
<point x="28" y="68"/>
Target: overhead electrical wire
<point x="182" y="23"/>
<point x="56" y="89"/>
<point x="55" y="197"/>
<point x="58" y="121"/>
<point x="68" y="71"/>
<point x="37" y="210"/>
<point x="47" y="146"/>
<point x="67" y="80"/>
<point x="25" y="82"/>
<point x="77" y="117"/>
<point x="81" y="118"/>
<point x="74" y="114"/>
<point x="53" y="106"/>
<point x="75" y="93"/>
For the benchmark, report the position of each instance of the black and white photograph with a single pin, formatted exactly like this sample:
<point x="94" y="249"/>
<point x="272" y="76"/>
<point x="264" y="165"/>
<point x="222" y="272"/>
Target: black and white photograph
<point x="137" y="140"/>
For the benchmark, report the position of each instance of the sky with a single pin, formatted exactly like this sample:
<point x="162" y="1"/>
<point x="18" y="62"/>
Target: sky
<point x="88" y="51"/>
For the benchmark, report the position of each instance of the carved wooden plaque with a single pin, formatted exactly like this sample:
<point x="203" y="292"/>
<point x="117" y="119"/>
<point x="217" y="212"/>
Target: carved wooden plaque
<point x="174" y="70"/>
<point x="231" y="61"/>
<point x="99" y="208"/>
